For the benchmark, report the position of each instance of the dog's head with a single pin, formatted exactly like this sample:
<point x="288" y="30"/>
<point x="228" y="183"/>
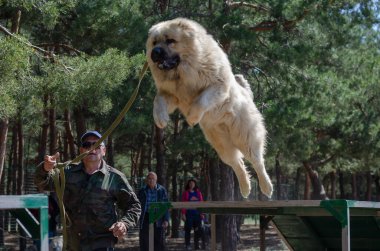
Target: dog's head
<point x="171" y="42"/>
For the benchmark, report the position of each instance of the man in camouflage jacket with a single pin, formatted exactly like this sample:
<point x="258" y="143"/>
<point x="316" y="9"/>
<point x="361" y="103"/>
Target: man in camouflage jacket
<point x="100" y="203"/>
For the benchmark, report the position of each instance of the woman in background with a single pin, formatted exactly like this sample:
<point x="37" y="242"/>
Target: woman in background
<point x="192" y="217"/>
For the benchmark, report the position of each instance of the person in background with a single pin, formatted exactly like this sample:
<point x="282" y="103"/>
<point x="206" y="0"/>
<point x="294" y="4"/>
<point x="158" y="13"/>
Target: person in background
<point x="152" y="192"/>
<point x="192" y="217"/>
<point x="94" y="193"/>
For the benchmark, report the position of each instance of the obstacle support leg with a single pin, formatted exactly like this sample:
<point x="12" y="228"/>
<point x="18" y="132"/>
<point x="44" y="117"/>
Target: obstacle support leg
<point x="340" y="209"/>
<point x="213" y="232"/>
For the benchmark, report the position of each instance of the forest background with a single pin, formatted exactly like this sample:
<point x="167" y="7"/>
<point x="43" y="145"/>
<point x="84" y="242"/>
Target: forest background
<point x="67" y="66"/>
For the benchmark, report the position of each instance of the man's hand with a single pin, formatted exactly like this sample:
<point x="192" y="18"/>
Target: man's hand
<point x="118" y="229"/>
<point x="165" y="224"/>
<point x="50" y="161"/>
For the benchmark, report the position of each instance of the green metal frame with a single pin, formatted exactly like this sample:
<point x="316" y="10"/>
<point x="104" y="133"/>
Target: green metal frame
<point x="157" y="210"/>
<point x="37" y="201"/>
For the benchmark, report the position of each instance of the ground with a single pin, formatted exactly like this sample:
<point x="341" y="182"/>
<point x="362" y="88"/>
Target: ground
<point x="249" y="241"/>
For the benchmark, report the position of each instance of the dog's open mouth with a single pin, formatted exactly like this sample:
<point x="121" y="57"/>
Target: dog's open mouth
<point x="164" y="60"/>
<point x="169" y="63"/>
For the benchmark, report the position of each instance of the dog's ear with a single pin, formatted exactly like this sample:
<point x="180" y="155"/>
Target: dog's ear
<point x="191" y="29"/>
<point x="186" y="27"/>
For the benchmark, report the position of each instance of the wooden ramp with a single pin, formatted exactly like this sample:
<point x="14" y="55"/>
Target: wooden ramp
<point x="324" y="232"/>
<point x="304" y="225"/>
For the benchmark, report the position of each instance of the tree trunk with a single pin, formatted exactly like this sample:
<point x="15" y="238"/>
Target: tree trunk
<point x="215" y="179"/>
<point x="16" y="22"/>
<point x="333" y="185"/>
<point x="229" y="234"/>
<point x="341" y="185"/>
<point x="306" y="194"/>
<point x="44" y="133"/>
<point x="151" y="145"/>
<point x="134" y="160"/>
<point x="175" y="215"/>
<point x="79" y="123"/>
<point x="160" y="157"/>
<point x="110" y="153"/>
<point x="238" y="197"/>
<point x="3" y="144"/>
<point x="377" y="184"/>
<point x="142" y="160"/>
<point x="278" y="177"/>
<point x="162" y="5"/>
<point x="368" y="194"/>
<point x="318" y="192"/>
<point x="216" y="194"/>
<point x="20" y="155"/>
<point x="69" y="134"/>
<point x="14" y="167"/>
<point x="354" y="186"/>
<point x="4" y="125"/>
<point x="206" y="174"/>
<point x="52" y="129"/>
<point x="12" y="155"/>
<point x="297" y="183"/>
<point x="65" y="152"/>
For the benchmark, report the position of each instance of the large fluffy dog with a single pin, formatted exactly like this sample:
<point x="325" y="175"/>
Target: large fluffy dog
<point x="193" y="74"/>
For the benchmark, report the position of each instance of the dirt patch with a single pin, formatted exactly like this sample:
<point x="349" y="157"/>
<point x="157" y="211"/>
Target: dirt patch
<point x="249" y="241"/>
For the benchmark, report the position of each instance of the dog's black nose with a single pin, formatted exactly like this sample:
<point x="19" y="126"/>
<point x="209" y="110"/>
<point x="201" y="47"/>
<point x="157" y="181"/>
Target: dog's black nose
<point x="158" y="54"/>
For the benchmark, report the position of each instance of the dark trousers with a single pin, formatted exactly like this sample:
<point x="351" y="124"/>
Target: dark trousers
<point x="194" y="222"/>
<point x="159" y="236"/>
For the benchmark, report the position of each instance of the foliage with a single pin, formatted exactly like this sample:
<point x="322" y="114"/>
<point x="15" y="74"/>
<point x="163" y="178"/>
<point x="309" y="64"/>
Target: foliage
<point x="313" y="67"/>
<point x="14" y="77"/>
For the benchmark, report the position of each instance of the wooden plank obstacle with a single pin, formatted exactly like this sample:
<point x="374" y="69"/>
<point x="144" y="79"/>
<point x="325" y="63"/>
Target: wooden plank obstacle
<point x="330" y="225"/>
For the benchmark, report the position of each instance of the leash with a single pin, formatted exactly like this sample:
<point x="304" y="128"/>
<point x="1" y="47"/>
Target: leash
<point x="59" y="172"/>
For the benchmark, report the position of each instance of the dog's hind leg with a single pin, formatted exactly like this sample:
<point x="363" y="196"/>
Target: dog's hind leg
<point x="249" y="138"/>
<point x="254" y="153"/>
<point x="230" y="155"/>
<point x="234" y="158"/>
<point x="264" y="180"/>
<point x="248" y="135"/>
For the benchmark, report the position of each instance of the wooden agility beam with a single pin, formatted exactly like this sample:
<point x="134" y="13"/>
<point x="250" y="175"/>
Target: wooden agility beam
<point x="309" y="216"/>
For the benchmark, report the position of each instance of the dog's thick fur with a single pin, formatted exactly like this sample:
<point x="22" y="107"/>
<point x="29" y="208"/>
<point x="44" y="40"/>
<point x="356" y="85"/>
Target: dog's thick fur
<point x="193" y="74"/>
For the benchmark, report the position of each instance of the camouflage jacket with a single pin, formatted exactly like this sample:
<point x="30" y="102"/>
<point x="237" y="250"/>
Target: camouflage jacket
<point x="93" y="203"/>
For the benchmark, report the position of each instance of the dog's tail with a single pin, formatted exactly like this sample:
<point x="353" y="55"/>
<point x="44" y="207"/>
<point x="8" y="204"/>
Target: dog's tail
<point x="244" y="83"/>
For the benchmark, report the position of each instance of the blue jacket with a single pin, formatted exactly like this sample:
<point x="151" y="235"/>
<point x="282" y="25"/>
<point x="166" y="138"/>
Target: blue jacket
<point x="162" y="196"/>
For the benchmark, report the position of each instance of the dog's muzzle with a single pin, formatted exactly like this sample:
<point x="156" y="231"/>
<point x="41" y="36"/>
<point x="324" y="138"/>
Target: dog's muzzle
<point x="163" y="60"/>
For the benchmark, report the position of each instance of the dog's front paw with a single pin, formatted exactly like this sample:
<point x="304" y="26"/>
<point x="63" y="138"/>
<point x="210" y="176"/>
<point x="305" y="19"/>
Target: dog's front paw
<point x="245" y="189"/>
<point x="266" y="186"/>
<point x="194" y="116"/>
<point x="161" y="119"/>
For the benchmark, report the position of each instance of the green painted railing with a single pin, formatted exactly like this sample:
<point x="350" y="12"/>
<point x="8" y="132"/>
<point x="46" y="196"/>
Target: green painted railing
<point x="32" y="201"/>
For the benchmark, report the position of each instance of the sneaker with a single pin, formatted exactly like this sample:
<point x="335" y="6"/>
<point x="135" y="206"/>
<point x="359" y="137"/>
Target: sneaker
<point x="188" y="247"/>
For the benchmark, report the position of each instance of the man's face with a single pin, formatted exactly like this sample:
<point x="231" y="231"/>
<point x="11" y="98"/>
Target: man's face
<point x="151" y="180"/>
<point x="96" y="155"/>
